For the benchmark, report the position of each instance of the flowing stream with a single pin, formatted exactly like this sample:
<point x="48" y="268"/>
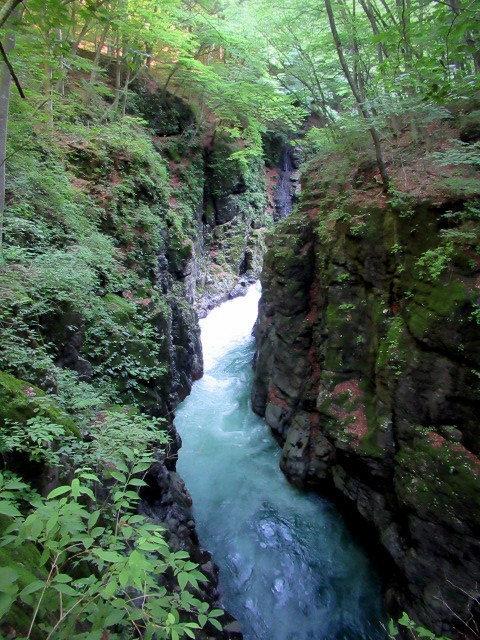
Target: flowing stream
<point x="289" y="568"/>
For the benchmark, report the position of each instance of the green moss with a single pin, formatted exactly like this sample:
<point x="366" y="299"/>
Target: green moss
<point x="433" y="304"/>
<point x="373" y="443"/>
<point x="20" y="401"/>
<point x="122" y="309"/>
<point x="390" y="349"/>
<point x="438" y="479"/>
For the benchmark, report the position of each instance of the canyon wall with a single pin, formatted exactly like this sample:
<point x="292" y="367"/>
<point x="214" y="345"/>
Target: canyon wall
<point x="367" y="369"/>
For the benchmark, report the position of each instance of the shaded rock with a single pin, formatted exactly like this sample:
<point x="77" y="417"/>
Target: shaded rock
<point x="364" y="370"/>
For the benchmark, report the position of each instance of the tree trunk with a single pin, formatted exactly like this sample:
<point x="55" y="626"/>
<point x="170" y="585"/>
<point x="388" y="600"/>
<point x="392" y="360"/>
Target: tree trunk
<point x="5" y="85"/>
<point x="356" y="92"/>
<point x="125" y="93"/>
<point x="63" y="66"/>
<point x="381" y="50"/>
<point x="118" y="73"/>
<point x="98" y="53"/>
<point x="7" y="9"/>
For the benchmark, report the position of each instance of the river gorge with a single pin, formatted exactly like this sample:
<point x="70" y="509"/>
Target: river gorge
<point x="289" y="568"/>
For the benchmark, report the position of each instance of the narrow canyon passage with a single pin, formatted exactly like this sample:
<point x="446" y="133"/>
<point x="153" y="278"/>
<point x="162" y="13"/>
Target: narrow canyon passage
<point x="290" y="569"/>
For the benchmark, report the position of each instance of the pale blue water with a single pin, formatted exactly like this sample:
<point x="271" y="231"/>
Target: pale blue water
<point x="289" y="568"/>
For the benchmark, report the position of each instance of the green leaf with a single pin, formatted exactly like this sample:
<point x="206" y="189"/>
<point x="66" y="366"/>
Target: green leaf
<point x="6" y="540"/>
<point x="121" y="466"/>
<point x="8" y="509"/>
<point x="216" y="623"/>
<point x="87" y="542"/>
<point x="118" y="475"/>
<point x="92" y="520"/>
<point x="75" y="488"/>
<point x="65" y="589"/>
<point x="424" y="633"/>
<point x="202" y="619"/>
<point x="58" y="492"/>
<point x="6" y="601"/>
<point x="215" y="613"/>
<point x="128" y="453"/>
<point x="405" y="620"/>
<point x="51" y="522"/>
<point x="132" y="495"/>
<point x="182" y="579"/>
<point x="136" y="482"/>
<point x="87" y="491"/>
<point x="124" y="577"/>
<point x="127" y="531"/>
<point x="136" y="519"/>
<point x="108" y="556"/>
<point x="114" y="617"/>
<point x="147" y="546"/>
<point x="141" y="466"/>
<point x="14" y="484"/>
<point x="32" y="587"/>
<point x="62" y="577"/>
<point x="392" y="628"/>
<point x="109" y="589"/>
<point x="7" y="577"/>
<point x="44" y="557"/>
<point x="89" y="476"/>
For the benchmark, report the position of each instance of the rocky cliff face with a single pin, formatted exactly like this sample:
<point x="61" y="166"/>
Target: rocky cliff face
<point x="367" y="368"/>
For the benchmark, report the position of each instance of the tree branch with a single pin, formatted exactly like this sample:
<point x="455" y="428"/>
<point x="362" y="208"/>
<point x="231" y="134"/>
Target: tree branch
<point x="7" y="9"/>
<point x="12" y="72"/>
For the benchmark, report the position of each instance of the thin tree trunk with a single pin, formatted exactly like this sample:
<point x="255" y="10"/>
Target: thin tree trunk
<point x="125" y="93"/>
<point x="98" y="53"/>
<point x="472" y="42"/>
<point x="382" y="53"/>
<point x="389" y="12"/>
<point x="5" y="85"/>
<point x="63" y="67"/>
<point x="118" y="73"/>
<point x="50" y="96"/>
<point x="78" y="39"/>
<point x="49" y="82"/>
<point x="356" y="92"/>
<point x="7" y="9"/>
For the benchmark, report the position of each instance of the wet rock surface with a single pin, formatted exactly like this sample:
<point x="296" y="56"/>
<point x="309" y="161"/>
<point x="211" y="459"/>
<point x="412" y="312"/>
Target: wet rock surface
<point x="365" y="369"/>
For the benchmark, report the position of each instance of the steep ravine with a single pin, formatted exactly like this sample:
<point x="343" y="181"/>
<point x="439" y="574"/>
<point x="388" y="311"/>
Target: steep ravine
<point x="367" y="370"/>
<point x="290" y="570"/>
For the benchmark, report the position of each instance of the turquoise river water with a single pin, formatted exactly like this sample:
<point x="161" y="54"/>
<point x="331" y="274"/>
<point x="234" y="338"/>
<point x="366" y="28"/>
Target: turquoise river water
<point x="289" y="568"/>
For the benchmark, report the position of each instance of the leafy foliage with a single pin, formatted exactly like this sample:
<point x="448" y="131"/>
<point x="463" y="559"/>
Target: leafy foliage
<point x="101" y="564"/>
<point x="417" y="631"/>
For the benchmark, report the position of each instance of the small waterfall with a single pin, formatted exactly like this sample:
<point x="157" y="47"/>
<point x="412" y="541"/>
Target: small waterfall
<point x="288" y="185"/>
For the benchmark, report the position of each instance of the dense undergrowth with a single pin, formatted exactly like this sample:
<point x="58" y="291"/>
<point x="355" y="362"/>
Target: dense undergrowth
<point x="86" y="354"/>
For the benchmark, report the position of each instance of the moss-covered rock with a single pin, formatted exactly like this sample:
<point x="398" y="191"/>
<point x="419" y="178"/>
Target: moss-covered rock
<point x="367" y="338"/>
<point x="19" y="401"/>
